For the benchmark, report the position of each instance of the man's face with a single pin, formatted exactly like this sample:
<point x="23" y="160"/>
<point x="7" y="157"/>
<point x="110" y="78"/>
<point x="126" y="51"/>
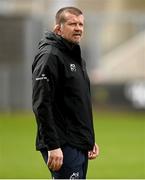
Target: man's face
<point x="72" y="29"/>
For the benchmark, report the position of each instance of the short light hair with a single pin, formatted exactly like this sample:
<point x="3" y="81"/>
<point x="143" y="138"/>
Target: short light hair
<point x="60" y="15"/>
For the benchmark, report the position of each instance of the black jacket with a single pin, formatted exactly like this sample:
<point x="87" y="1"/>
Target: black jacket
<point x="61" y="95"/>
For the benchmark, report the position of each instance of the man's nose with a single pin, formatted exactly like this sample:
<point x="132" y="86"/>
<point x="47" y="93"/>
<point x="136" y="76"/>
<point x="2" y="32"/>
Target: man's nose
<point x="78" y="27"/>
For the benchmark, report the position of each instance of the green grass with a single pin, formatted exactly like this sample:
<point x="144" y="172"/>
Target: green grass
<point x="120" y="135"/>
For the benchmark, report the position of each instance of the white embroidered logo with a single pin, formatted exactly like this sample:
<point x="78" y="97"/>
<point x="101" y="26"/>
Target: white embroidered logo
<point x="43" y="76"/>
<point x="73" y="67"/>
<point x="74" y="176"/>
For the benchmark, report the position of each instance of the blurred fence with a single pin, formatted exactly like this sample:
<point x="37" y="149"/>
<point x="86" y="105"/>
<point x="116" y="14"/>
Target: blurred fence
<point x="19" y="38"/>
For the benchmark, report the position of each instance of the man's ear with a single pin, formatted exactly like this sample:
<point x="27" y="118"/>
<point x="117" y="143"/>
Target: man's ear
<point x="57" y="29"/>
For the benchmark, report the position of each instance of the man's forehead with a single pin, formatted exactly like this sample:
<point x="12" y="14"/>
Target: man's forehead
<point x="70" y="16"/>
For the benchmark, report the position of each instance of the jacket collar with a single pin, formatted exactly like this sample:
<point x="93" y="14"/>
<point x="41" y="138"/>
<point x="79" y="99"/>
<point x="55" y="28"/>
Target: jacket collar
<point x="73" y="49"/>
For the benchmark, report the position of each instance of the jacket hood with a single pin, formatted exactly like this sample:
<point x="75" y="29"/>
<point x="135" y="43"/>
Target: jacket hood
<point x="50" y="38"/>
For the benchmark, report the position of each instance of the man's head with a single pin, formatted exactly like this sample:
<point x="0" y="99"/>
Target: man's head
<point x="69" y="24"/>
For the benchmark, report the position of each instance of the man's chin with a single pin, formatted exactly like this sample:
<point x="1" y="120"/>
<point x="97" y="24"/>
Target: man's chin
<point x="76" y="41"/>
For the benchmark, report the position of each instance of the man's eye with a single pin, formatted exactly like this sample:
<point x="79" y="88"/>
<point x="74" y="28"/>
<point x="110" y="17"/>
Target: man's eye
<point x="73" y="24"/>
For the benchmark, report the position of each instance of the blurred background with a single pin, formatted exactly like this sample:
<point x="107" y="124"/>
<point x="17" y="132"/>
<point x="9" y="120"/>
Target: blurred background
<point x="114" y="49"/>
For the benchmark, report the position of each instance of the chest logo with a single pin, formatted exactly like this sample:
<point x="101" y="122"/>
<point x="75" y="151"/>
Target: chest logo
<point x="73" y="67"/>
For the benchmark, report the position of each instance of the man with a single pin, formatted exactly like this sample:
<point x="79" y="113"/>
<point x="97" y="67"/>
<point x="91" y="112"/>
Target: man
<point x="61" y="99"/>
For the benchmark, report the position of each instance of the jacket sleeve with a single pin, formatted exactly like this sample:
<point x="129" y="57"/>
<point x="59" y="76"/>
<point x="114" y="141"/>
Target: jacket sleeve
<point x="44" y="77"/>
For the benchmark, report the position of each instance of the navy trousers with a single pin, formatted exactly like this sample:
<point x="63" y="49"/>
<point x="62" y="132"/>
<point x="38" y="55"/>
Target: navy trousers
<point x="75" y="163"/>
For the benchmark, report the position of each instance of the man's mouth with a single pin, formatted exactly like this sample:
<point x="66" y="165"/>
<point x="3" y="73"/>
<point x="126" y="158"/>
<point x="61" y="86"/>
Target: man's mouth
<point x="77" y="34"/>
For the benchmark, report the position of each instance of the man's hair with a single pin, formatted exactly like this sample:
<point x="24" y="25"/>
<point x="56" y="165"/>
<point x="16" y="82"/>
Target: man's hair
<point x="60" y="15"/>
